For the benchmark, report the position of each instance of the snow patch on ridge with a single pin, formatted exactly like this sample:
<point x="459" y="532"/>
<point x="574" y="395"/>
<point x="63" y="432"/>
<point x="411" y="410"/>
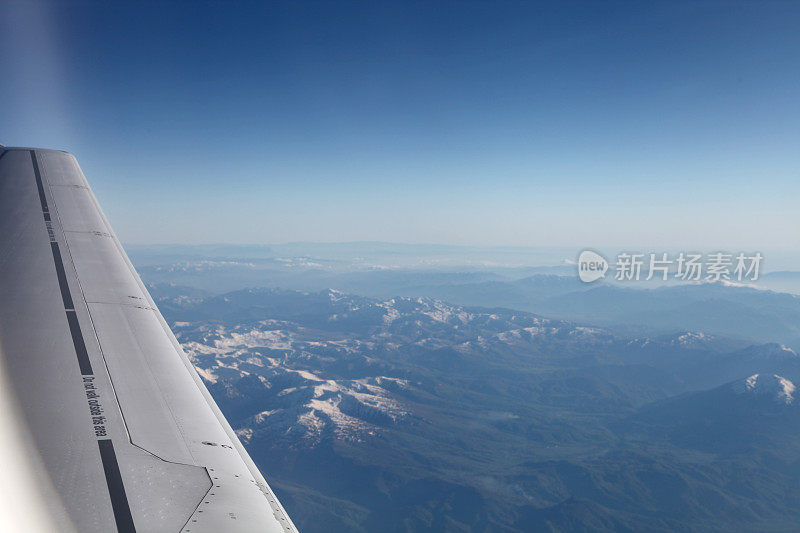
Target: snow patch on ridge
<point x="774" y="385"/>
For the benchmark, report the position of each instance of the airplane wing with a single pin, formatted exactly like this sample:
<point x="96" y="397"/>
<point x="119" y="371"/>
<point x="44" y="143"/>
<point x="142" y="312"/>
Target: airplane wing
<point x="104" y="423"/>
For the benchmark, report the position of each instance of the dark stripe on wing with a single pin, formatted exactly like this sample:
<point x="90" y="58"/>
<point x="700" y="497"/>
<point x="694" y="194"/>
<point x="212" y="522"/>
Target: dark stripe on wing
<point x="119" y="500"/>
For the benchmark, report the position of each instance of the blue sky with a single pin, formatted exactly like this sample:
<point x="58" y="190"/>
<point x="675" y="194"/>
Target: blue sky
<point x="671" y="124"/>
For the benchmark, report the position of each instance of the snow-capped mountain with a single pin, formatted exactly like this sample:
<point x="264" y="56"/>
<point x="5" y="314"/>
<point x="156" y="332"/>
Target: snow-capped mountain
<point x="773" y="386"/>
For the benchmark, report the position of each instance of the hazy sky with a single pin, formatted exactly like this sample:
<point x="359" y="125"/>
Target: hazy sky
<point x="579" y="124"/>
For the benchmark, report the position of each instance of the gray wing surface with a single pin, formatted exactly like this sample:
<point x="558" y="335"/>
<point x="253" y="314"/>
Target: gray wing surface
<point x="121" y="432"/>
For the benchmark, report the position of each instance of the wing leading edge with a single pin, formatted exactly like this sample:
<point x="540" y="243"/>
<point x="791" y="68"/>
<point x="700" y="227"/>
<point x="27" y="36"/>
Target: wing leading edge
<point x="116" y="429"/>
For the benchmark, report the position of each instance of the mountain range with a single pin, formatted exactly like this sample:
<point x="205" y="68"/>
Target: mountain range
<point x="414" y="414"/>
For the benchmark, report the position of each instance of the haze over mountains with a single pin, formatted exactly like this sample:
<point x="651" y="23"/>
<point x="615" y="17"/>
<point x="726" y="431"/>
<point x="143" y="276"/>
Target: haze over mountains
<point x="513" y="399"/>
<point x="765" y="310"/>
